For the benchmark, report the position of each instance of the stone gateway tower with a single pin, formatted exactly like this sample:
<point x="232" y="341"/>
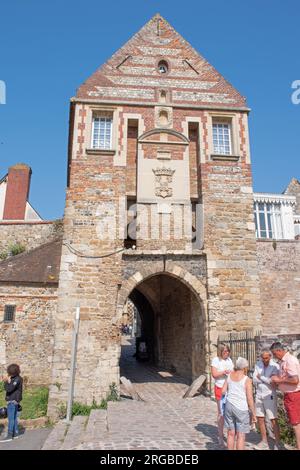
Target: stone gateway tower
<point x="159" y="210"/>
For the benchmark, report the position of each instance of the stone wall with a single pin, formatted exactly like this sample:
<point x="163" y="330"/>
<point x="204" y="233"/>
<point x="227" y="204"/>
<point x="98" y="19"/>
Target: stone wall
<point x="183" y="336"/>
<point x="230" y="244"/>
<point x="293" y="189"/>
<point x="90" y="280"/>
<point x="28" y="234"/>
<point x="164" y="161"/>
<point x="279" y="273"/>
<point x="173" y="324"/>
<point x="290" y="341"/>
<point x="28" y="340"/>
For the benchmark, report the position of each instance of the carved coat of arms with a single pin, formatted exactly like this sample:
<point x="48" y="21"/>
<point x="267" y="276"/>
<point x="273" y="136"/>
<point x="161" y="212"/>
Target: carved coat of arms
<point x="163" y="177"/>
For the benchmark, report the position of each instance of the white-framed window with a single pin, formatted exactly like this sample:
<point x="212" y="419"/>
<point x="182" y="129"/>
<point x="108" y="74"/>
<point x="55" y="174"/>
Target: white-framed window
<point x="268" y="220"/>
<point x="102" y="132"/>
<point x="222" y="138"/>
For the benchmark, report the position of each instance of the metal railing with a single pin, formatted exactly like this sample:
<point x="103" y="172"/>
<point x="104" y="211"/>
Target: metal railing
<point x="242" y="344"/>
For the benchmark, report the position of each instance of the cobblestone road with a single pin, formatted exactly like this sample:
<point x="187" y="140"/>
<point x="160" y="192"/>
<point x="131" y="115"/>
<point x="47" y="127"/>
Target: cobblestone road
<point x="163" y="421"/>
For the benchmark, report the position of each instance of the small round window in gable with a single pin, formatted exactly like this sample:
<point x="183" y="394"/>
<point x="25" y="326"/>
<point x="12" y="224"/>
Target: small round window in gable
<point x="163" y="66"/>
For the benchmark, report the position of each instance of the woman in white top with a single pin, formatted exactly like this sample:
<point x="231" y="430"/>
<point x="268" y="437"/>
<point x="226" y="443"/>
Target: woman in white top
<point x="221" y="366"/>
<point x="238" y="404"/>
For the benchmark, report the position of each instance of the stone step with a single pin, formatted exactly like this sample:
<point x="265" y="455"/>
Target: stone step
<point x="96" y="428"/>
<point x="126" y="404"/>
<point x="56" y="437"/>
<point x="75" y="433"/>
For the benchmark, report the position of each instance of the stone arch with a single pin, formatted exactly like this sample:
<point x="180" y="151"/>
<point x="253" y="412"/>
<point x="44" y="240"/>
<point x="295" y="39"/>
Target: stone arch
<point x="191" y="281"/>
<point x="195" y="327"/>
<point x="181" y="137"/>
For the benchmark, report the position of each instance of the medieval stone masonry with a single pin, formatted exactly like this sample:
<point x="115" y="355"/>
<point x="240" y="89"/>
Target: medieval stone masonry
<point x="161" y="98"/>
<point x="160" y="212"/>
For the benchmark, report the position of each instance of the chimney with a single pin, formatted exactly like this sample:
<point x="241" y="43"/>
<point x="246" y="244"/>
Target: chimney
<point x="17" y="191"/>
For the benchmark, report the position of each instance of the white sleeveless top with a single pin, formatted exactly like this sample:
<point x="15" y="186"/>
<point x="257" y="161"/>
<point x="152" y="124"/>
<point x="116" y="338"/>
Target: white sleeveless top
<point x="236" y="393"/>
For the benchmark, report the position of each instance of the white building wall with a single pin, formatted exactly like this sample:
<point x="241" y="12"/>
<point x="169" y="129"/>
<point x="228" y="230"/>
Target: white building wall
<point x="2" y="198"/>
<point x="30" y="213"/>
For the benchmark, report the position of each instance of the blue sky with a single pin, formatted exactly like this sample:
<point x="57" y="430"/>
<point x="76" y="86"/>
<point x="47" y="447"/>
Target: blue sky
<point x="48" y="48"/>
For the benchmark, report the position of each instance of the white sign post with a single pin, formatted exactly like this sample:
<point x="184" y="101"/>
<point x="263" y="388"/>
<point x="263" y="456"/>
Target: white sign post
<point x="73" y="365"/>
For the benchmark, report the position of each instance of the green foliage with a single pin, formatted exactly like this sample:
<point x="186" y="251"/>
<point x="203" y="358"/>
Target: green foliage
<point x="80" y="409"/>
<point x="3" y="255"/>
<point x="12" y="250"/>
<point x="34" y="403"/>
<point x="113" y="393"/>
<point x="16" y="249"/>
<point x="84" y="410"/>
<point x="58" y="385"/>
<point x="62" y="410"/>
<point x="287" y="434"/>
<point x="58" y="225"/>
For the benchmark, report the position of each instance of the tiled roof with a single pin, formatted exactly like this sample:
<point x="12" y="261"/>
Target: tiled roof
<point x="40" y="265"/>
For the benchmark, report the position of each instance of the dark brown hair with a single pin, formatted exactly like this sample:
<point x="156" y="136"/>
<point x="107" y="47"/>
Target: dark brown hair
<point x="13" y="370"/>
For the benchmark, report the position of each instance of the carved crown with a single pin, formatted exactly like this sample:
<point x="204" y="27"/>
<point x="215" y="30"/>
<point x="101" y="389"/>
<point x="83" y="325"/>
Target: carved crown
<point x="163" y="171"/>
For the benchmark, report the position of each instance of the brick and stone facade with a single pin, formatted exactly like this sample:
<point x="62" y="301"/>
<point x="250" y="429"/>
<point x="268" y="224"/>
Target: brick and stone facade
<point x="28" y="234"/>
<point x="161" y="158"/>
<point x="29" y="339"/>
<point x="28" y="302"/>
<point x="157" y="218"/>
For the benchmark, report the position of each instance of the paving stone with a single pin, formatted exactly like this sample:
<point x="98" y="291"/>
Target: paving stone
<point x="165" y="421"/>
<point x="75" y="432"/>
<point x="55" y="440"/>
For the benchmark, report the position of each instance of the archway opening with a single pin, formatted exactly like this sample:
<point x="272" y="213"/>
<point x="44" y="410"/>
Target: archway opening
<point x="167" y="319"/>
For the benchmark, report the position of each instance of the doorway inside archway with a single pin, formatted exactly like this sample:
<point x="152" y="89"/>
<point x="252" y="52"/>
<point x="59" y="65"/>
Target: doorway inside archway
<point x="165" y="331"/>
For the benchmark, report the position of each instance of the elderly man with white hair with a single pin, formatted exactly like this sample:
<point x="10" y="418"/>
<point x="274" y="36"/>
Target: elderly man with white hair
<point x="266" y="398"/>
<point x="238" y="387"/>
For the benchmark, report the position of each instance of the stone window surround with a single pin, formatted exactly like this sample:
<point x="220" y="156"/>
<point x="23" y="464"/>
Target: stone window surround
<point x="163" y="59"/>
<point x="141" y="129"/>
<point x="102" y="124"/>
<point x="222" y="138"/>
<point x="232" y="119"/>
<point x="96" y="110"/>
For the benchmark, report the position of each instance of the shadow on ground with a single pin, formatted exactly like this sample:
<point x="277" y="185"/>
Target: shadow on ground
<point x="211" y="431"/>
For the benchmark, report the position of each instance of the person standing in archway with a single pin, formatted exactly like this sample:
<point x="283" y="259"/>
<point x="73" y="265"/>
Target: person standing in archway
<point x="221" y="367"/>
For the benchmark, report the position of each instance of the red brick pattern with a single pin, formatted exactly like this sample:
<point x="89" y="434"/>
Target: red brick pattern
<point x="17" y="191"/>
<point x="131" y="74"/>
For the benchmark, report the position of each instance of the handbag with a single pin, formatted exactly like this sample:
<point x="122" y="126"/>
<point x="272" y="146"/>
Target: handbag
<point x="3" y="412"/>
<point x="19" y="407"/>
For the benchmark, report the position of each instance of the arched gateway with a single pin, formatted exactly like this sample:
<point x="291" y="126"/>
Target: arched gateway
<point x="172" y="308"/>
<point x="157" y="166"/>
